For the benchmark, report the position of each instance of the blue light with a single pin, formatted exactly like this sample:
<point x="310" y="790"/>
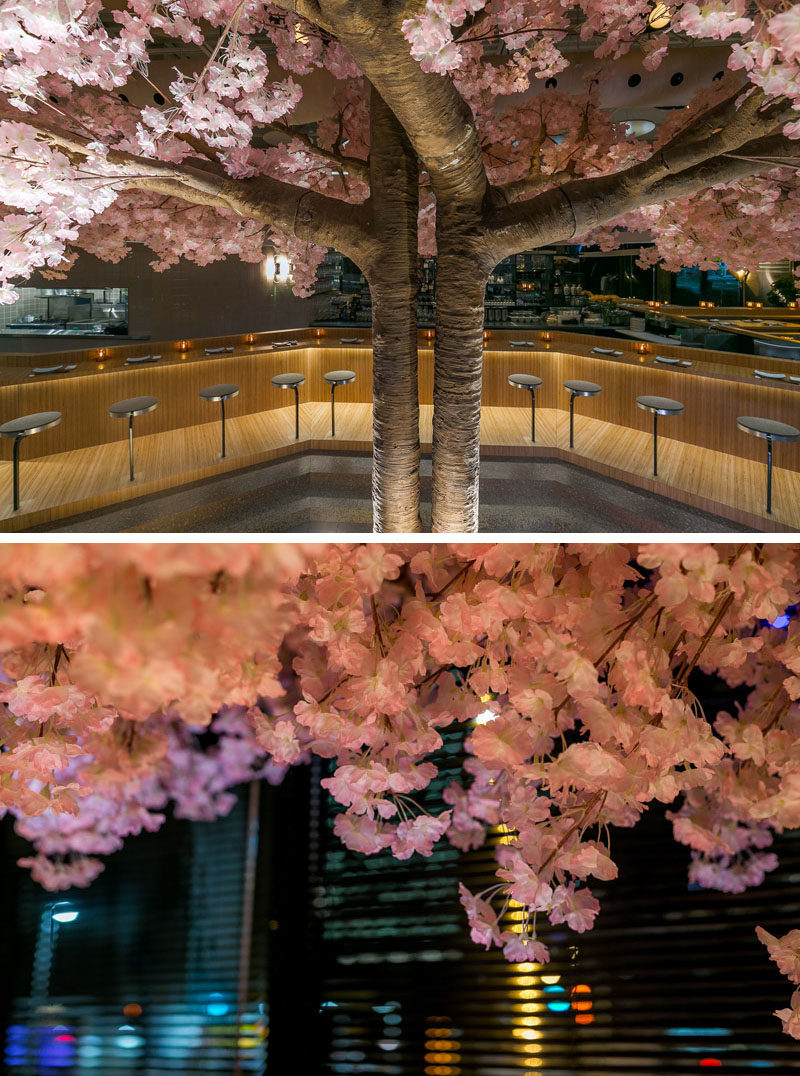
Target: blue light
<point x="699" y="1031"/>
<point x="130" y="1042"/>
<point x="780" y="621"/>
<point x="329" y="1005"/>
<point x="558" y="1006"/>
<point x="554" y="990"/>
<point x="216" y="1005"/>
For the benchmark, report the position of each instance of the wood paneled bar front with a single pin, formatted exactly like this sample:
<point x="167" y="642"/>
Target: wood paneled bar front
<point x="715" y="389"/>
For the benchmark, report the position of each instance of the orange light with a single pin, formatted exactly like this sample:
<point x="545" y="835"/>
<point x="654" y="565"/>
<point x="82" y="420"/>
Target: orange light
<point x="584" y="1018"/>
<point x="250" y="338"/>
<point x="183" y="345"/>
<point x="792" y="305"/>
<point x="642" y="348"/>
<point x="102" y="353"/>
<point x="132" y="1010"/>
<point x="547" y="336"/>
<point x="581" y="988"/>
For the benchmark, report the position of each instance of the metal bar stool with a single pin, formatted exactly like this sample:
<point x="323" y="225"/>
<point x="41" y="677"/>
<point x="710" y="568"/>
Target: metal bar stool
<point x="578" y="388"/>
<point x="334" y="378"/>
<point x="292" y="381"/>
<point x="531" y="383"/>
<point x="771" y="431"/>
<point x="658" y="405"/>
<point x="136" y="405"/>
<point x="26" y="426"/>
<point x="219" y="394"/>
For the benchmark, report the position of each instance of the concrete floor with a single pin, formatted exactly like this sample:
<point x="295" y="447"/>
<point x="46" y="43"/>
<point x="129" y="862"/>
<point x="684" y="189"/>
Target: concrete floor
<point x="317" y="492"/>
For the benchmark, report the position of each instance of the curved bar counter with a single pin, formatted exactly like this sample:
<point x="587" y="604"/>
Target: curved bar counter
<point x="715" y="388"/>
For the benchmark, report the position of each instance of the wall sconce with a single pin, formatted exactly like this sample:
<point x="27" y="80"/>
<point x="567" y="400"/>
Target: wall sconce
<point x="277" y="269"/>
<point x="754" y="305"/>
<point x="183" y="345"/>
<point x="548" y="336"/>
<point x="706" y="303"/>
<point x="642" y="348"/>
<point x="792" y="304"/>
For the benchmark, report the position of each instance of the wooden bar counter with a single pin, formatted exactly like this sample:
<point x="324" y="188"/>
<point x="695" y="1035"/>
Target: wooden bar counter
<point x="715" y="389"/>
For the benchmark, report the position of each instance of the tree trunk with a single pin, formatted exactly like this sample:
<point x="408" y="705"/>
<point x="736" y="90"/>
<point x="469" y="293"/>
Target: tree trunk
<point x="460" y="289"/>
<point x="393" y="285"/>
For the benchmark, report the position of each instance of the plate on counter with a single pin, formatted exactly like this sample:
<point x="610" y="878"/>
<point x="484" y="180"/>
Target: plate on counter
<point x="666" y="361"/>
<point x="133" y="360"/>
<point x="604" y="351"/>
<point x="346" y="340"/>
<point x="47" y="369"/>
<point x="769" y="376"/>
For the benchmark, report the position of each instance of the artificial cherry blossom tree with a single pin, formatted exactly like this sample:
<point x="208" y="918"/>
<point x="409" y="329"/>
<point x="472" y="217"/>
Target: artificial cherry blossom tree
<point x="117" y="658"/>
<point x="429" y="118"/>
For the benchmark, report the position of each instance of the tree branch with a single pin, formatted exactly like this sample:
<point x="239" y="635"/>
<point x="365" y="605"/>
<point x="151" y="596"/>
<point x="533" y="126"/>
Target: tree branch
<point x="572" y="209"/>
<point x="297" y="210"/>
<point x="354" y="165"/>
<point x="436" y="118"/>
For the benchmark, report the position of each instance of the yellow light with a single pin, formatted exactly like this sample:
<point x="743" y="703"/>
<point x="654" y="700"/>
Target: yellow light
<point x="525" y="980"/>
<point x="532" y="1048"/>
<point x="525" y="1033"/>
<point x="530" y="1021"/>
<point x="660" y="16"/>
<point x="550" y="979"/>
<point x="532" y="1062"/>
<point x="527" y="966"/>
<point x="528" y="1006"/>
<point x="527" y="994"/>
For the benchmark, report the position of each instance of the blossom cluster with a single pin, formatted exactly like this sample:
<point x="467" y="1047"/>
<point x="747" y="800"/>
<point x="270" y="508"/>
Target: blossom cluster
<point x="567" y="669"/>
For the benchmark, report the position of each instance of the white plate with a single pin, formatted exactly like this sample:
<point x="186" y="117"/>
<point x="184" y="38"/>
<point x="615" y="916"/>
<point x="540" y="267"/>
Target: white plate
<point x="47" y="369"/>
<point x="685" y="362"/>
<point x="603" y="351"/>
<point x="770" y="377"/>
<point x="346" y="340"/>
<point x="667" y="361"/>
<point x="134" y="359"/>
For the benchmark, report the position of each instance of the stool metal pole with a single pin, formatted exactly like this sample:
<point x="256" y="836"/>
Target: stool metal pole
<point x="16" y="473"/>
<point x="222" y="405"/>
<point x="533" y="415"/>
<point x="655" y="443"/>
<point x="333" y="414"/>
<point x="769" y="476"/>
<point x="571" y="419"/>
<point x="297" y="412"/>
<point x="130" y="444"/>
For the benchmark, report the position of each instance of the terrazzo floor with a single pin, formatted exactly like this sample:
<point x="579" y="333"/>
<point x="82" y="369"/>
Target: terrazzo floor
<point x="316" y="492"/>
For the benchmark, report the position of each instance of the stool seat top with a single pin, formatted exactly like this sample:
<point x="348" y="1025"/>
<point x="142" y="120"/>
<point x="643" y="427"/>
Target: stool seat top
<point x="582" y="388"/>
<point x="524" y="381"/>
<point x="28" y="424"/>
<point x="288" y="381"/>
<point x="339" y="377"/>
<point x="767" y="427"/>
<point x="136" y="405"/>
<point x="215" y="393"/>
<point x="659" y="405"/>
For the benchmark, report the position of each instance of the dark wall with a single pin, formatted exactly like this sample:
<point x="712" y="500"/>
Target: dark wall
<point x="188" y="300"/>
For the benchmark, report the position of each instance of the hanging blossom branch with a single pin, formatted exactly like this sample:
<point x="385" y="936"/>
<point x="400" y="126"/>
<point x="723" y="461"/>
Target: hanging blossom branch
<point x="368" y="655"/>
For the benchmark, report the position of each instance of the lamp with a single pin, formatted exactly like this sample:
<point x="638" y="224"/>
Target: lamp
<point x="547" y="336"/>
<point x="660" y="17"/>
<point x="250" y="338"/>
<point x="101" y="354"/>
<point x="642" y="348"/>
<point x="183" y="345"/>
